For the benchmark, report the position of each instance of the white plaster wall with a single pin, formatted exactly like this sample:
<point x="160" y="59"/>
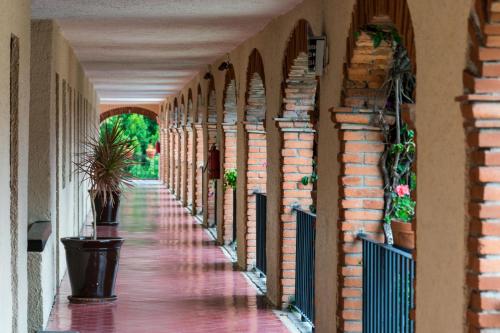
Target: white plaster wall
<point x="14" y="15"/>
<point x="49" y="200"/>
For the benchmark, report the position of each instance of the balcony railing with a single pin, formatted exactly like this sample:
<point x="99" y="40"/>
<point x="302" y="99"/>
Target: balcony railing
<point x="261" y="203"/>
<point x="304" y="265"/>
<point x="388" y="288"/>
<point x="234" y="216"/>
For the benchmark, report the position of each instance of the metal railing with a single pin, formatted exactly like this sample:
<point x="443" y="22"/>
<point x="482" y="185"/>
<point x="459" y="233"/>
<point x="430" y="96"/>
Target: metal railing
<point x="304" y="264"/>
<point x="234" y="216"/>
<point x="261" y="204"/>
<point x="388" y="288"/>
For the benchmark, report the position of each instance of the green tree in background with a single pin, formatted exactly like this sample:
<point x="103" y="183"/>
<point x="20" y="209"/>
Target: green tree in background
<point x="144" y="133"/>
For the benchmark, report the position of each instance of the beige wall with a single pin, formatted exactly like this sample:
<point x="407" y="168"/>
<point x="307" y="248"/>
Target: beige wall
<point x="14" y="15"/>
<point x="440" y="37"/>
<point x="53" y="196"/>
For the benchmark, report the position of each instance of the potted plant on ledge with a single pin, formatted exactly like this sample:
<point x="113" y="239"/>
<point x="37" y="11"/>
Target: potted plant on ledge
<point x="93" y="261"/>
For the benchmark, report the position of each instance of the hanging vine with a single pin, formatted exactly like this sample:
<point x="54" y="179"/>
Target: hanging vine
<point x="399" y="155"/>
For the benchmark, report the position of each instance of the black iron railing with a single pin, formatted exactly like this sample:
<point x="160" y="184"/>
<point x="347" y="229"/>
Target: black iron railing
<point x="234" y="216"/>
<point x="261" y="203"/>
<point x="214" y="221"/>
<point x="388" y="292"/>
<point x="304" y="265"/>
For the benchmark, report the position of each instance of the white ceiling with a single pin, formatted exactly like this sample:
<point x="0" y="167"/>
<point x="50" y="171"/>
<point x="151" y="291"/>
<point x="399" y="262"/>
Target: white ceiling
<point x="137" y="51"/>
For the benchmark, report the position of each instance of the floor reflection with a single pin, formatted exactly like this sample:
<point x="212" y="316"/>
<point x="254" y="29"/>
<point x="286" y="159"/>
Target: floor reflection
<point x="172" y="278"/>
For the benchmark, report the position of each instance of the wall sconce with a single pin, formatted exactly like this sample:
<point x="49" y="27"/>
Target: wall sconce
<point x="208" y="76"/>
<point x="224" y="66"/>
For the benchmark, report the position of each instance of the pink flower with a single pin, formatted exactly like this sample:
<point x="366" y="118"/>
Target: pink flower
<point x="402" y="190"/>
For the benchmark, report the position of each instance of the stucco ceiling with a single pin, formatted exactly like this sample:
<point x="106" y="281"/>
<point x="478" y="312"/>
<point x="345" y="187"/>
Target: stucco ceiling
<point x="144" y="50"/>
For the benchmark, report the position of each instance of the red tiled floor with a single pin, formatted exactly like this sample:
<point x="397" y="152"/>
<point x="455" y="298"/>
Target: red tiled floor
<point x="172" y="278"/>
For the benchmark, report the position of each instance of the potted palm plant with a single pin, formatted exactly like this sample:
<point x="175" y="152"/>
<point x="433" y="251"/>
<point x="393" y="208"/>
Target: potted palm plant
<point x="93" y="261"/>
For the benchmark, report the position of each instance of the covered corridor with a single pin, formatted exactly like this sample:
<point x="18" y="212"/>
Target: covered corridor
<point x="173" y="278"/>
<point x="343" y="155"/>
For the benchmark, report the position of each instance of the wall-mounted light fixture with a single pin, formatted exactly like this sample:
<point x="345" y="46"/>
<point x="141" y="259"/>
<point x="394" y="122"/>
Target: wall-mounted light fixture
<point x="225" y="65"/>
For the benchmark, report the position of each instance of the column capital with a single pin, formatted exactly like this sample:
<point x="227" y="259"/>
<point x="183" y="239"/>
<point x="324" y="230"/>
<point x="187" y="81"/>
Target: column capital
<point x="295" y="125"/>
<point x="358" y="118"/>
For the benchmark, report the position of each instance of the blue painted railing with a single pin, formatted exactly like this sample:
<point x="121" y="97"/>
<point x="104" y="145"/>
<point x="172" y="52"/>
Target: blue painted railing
<point x="388" y="288"/>
<point x="304" y="265"/>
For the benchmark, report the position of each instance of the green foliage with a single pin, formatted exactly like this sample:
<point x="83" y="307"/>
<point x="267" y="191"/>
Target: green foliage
<point x="230" y="178"/>
<point x="313" y="178"/>
<point x="404" y="208"/>
<point x="142" y="132"/>
<point x="105" y="161"/>
<point x="379" y="34"/>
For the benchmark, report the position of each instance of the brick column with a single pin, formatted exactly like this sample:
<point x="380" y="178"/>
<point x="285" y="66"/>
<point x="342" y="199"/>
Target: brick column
<point x="209" y="210"/>
<point x="296" y="162"/>
<point x="229" y="161"/>
<point x="171" y="153"/>
<point x="200" y="162"/>
<point x="361" y="204"/>
<point x="163" y="172"/>
<point x="183" y="165"/>
<point x="178" y="166"/>
<point x="190" y="165"/>
<point x="256" y="179"/>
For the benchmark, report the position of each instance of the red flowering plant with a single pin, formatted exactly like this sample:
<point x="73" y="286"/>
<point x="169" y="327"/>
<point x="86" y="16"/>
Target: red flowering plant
<point x="400" y="179"/>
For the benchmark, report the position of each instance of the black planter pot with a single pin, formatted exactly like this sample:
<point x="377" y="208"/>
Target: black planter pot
<point x="92" y="268"/>
<point x="105" y="210"/>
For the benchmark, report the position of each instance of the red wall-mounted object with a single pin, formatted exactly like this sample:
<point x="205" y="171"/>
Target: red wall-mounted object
<point x="213" y="163"/>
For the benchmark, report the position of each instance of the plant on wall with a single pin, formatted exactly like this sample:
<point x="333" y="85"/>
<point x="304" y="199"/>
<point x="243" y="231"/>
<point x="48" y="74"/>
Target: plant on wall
<point x="230" y="178"/>
<point x="312" y="179"/>
<point x="399" y="155"/>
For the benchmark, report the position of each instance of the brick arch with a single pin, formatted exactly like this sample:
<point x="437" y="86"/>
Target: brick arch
<point x="361" y="184"/>
<point x="298" y="142"/>
<point x="211" y="103"/>
<point x="199" y="104"/>
<point x="230" y="97"/>
<point x="126" y="110"/>
<point x="376" y="11"/>
<point x="190" y="116"/>
<point x="176" y="112"/>
<point x="182" y="112"/>
<point x="210" y="128"/>
<point x="479" y="106"/>
<point x="169" y="114"/>
<point x="229" y="150"/>
<point x="297" y="79"/>
<point x="255" y="95"/>
<point x="199" y="147"/>
<point x="255" y="159"/>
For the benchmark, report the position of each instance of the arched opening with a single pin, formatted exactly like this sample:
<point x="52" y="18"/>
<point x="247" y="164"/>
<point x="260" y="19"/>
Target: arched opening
<point x="129" y="110"/>
<point x="183" y="152"/>
<point x="173" y="146"/>
<point x="378" y="180"/>
<point x="256" y="166"/>
<point x="297" y="125"/>
<point x="145" y="134"/>
<point x="229" y="138"/>
<point x="199" y="153"/>
<point x="190" y="150"/>
<point x="212" y="143"/>
<point x="480" y="111"/>
<point x="140" y="125"/>
<point x="163" y="144"/>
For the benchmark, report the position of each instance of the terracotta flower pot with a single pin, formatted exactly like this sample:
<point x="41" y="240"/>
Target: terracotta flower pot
<point x="92" y="268"/>
<point x="403" y="234"/>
